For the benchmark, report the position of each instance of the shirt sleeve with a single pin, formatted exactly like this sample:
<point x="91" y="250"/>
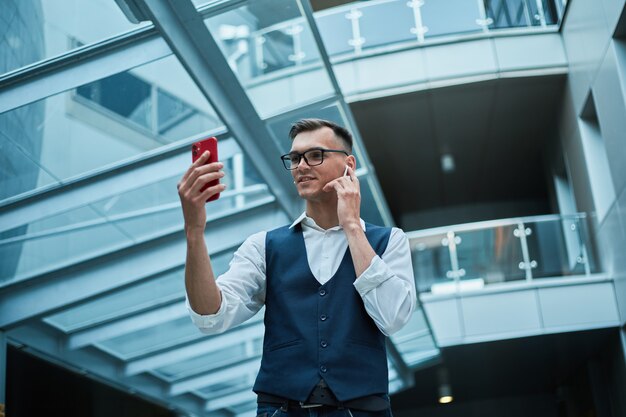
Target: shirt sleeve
<point x="242" y="288"/>
<point x="387" y="286"/>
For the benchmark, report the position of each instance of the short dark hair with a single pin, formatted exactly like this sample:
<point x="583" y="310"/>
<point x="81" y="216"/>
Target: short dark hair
<point x="309" y="125"/>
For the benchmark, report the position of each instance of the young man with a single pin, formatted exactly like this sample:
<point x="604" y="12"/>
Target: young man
<point x="333" y="286"/>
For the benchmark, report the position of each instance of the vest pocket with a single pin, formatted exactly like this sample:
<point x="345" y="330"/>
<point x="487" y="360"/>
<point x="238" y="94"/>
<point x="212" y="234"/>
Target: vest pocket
<point x="283" y="345"/>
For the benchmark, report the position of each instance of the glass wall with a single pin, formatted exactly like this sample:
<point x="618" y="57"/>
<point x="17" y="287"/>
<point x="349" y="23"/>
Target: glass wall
<point x="99" y="124"/>
<point x="33" y="30"/>
<point x="263" y="37"/>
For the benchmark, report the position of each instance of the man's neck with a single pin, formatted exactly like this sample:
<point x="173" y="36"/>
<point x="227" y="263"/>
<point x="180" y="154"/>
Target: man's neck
<point x="323" y="213"/>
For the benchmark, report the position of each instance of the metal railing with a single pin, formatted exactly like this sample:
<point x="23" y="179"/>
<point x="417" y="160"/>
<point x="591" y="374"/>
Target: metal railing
<point x="470" y="256"/>
<point x="355" y="29"/>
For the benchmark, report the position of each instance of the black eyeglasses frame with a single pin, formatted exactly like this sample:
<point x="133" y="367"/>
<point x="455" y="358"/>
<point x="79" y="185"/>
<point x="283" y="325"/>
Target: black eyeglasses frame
<point x="286" y="158"/>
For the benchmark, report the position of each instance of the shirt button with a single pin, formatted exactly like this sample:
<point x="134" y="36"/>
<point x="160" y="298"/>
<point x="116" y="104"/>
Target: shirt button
<point x="323" y="317"/>
<point x="323" y="369"/>
<point x="323" y="343"/>
<point x="322" y="292"/>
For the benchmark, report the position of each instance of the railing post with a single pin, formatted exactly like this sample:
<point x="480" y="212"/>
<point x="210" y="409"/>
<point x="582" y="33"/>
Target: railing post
<point x="451" y="241"/>
<point x="521" y="232"/>
<point x="541" y="14"/>
<point x="483" y="21"/>
<point x="259" y="40"/>
<point x="357" y="41"/>
<point x="298" y="54"/>
<point x="419" y="30"/>
<point x="583" y="258"/>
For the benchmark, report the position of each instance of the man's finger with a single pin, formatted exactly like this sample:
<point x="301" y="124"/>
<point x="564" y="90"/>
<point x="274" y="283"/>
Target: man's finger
<point x="198" y="162"/>
<point x="352" y="174"/>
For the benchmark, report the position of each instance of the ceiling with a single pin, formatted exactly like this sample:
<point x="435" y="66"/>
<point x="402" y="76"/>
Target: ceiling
<point x="496" y="131"/>
<point x="527" y="366"/>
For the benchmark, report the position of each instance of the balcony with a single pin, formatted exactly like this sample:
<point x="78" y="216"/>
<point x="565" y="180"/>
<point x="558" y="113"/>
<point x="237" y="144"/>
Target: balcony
<point x="511" y="278"/>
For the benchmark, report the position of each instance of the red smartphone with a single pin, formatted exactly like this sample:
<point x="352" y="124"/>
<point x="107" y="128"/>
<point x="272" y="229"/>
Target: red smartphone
<point x="197" y="149"/>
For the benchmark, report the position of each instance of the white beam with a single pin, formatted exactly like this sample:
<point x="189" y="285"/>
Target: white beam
<point x="230" y="400"/>
<point x="202" y="347"/>
<point x="215" y="377"/>
<point x="69" y="286"/>
<point x="127" y="325"/>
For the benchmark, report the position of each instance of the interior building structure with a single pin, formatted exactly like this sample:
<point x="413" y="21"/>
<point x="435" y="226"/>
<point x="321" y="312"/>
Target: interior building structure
<point x="492" y="131"/>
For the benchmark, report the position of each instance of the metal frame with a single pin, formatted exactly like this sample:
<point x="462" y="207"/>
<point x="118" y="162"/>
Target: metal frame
<point x="184" y="30"/>
<point x="59" y="75"/>
<point x="24" y="304"/>
<point x="194" y="349"/>
<point x="343" y="106"/>
<point x="63" y="288"/>
<point x="101" y="367"/>
<point x="145" y="169"/>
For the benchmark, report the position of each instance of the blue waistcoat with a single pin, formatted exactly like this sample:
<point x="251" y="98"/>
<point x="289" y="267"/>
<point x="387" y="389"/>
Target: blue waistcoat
<point x="315" y="331"/>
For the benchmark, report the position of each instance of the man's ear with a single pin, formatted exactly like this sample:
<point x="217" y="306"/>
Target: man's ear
<point x="351" y="162"/>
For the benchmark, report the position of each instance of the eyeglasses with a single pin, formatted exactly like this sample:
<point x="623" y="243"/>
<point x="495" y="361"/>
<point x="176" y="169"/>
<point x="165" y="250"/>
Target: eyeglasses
<point x="312" y="157"/>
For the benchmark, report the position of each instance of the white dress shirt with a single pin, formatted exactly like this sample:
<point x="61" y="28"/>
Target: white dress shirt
<point x="387" y="286"/>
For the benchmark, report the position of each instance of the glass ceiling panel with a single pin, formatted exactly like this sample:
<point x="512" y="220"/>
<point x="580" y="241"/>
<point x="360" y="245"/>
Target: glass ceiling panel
<point x="156" y="338"/>
<point x="415" y="341"/>
<point x="103" y="122"/>
<point x="165" y="288"/>
<point x="270" y="47"/>
<point x="227" y="387"/>
<point x="152" y="339"/>
<point x="48" y="243"/>
<point x="129" y="217"/>
<point x="227" y="356"/>
<point x="33" y="30"/>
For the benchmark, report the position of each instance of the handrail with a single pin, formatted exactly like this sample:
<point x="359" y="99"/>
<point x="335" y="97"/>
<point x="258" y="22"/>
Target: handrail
<point x="488" y="22"/>
<point x="490" y="224"/>
<point x="468" y="256"/>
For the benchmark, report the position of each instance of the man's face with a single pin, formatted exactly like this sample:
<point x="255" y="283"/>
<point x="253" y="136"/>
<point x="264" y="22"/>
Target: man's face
<point x="311" y="179"/>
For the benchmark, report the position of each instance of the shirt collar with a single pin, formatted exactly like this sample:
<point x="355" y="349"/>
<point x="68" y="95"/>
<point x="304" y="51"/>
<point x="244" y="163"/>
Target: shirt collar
<point x="307" y="221"/>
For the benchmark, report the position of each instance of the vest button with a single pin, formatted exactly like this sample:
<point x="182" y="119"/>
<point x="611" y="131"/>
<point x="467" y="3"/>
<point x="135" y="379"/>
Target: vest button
<point x="323" y="317"/>
<point x="322" y="292"/>
<point x="323" y="343"/>
<point x="323" y="368"/>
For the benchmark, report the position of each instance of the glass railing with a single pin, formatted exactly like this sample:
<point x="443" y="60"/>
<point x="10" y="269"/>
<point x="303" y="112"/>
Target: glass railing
<point x="359" y="28"/>
<point x="471" y="256"/>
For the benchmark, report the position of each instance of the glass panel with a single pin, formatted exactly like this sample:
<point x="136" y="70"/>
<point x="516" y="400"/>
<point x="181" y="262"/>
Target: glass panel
<point x="375" y="28"/>
<point x="104" y="122"/>
<point x="159" y="337"/>
<point x="152" y="339"/>
<point x="217" y="359"/>
<point x="19" y="171"/>
<point x="489" y="256"/>
<point x="431" y="261"/>
<point x="29" y="250"/>
<point x="272" y="37"/>
<point x="336" y="30"/>
<point x="34" y="30"/>
<point x="227" y="387"/>
<point x="557" y="247"/>
<point x="162" y="289"/>
<point x="450" y="17"/>
<point x="414" y="341"/>
<point x="135" y="215"/>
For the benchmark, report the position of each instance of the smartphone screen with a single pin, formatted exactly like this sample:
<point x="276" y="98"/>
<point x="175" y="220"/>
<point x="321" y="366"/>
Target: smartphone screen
<point x="197" y="149"/>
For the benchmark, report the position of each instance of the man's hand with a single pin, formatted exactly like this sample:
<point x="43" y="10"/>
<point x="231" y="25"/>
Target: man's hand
<point x="191" y="199"/>
<point x="349" y="199"/>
